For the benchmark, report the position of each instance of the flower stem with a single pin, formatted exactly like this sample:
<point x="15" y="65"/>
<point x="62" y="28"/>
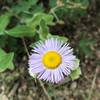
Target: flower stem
<point x="41" y="83"/>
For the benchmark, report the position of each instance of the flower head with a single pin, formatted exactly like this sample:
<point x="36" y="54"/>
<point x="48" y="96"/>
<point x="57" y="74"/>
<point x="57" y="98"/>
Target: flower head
<point x="51" y="60"/>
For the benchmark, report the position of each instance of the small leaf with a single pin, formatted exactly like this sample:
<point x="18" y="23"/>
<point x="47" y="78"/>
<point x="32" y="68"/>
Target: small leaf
<point x="4" y="20"/>
<point x="21" y="31"/>
<point x="6" y="61"/>
<point x="76" y="64"/>
<point x="75" y="73"/>
<point x="32" y="74"/>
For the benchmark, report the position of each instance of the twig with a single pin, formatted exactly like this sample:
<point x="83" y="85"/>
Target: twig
<point x="54" y="14"/>
<point x="25" y="46"/>
<point x="12" y="92"/>
<point x="69" y="4"/>
<point x="75" y="5"/>
<point x="56" y="17"/>
<point x="67" y="79"/>
<point x="41" y="83"/>
<point x="93" y="83"/>
<point x="45" y="91"/>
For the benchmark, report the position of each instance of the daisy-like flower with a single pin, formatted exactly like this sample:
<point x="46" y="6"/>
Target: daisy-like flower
<point x="51" y="60"/>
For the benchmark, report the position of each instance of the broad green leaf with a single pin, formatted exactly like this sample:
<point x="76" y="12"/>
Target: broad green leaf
<point x="6" y="60"/>
<point x="75" y="74"/>
<point x="43" y="32"/>
<point x="21" y="31"/>
<point x="4" y="20"/>
<point x="48" y="19"/>
<point x="35" y="20"/>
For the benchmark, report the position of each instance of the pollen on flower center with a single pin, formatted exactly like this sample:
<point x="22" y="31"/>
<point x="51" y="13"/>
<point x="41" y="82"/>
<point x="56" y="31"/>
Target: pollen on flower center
<point x="51" y="60"/>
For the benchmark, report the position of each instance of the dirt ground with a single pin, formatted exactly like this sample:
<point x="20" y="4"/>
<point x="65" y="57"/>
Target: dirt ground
<point x="18" y="85"/>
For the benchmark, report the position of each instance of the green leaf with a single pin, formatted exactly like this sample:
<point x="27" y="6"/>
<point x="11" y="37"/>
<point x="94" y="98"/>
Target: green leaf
<point x="84" y="46"/>
<point x="38" y="9"/>
<point x="2" y="53"/>
<point x="51" y="36"/>
<point x="76" y="64"/>
<point x="48" y="19"/>
<point x="6" y="61"/>
<point x="75" y="74"/>
<point x="23" y="5"/>
<point x="83" y="2"/>
<point x="53" y="3"/>
<point x="41" y="21"/>
<point x="21" y="31"/>
<point x="3" y="41"/>
<point x="62" y="38"/>
<point x="4" y="20"/>
<point x="32" y="45"/>
<point x="44" y="31"/>
<point x="35" y="20"/>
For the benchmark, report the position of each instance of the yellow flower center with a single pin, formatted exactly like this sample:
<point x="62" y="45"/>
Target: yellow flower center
<point x="51" y="60"/>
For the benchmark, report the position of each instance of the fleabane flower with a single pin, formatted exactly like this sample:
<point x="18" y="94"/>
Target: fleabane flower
<point x="51" y="60"/>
